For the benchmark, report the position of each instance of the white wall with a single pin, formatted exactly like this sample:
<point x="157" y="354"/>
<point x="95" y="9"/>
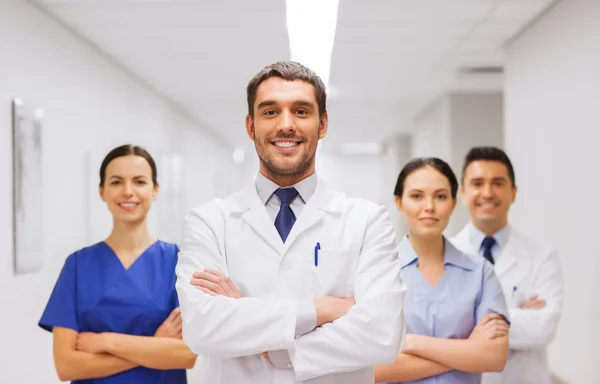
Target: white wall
<point x="356" y="175"/>
<point x="453" y="124"/>
<point x="398" y="153"/>
<point x="91" y="106"/>
<point x="431" y="133"/>
<point x="476" y="119"/>
<point x="371" y="177"/>
<point x="552" y="97"/>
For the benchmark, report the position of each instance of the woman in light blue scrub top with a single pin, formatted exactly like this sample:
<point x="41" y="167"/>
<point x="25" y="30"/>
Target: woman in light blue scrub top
<point x="114" y="311"/>
<point x="455" y="313"/>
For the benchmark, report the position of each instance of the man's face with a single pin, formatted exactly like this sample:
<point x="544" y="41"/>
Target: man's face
<point x="286" y="128"/>
<point x="488" y="193"/>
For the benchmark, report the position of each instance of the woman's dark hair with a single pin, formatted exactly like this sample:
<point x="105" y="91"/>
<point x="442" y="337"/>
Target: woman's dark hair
<point x="127" y="150"/>
<point x="422" y="162"/>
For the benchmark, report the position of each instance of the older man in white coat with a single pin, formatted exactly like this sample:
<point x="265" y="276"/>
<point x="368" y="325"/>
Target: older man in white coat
<point x="287" y="280"/>
<point x="530" y="273"/>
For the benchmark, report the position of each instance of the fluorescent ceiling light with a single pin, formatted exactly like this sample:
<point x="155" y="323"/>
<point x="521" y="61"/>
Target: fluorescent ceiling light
<point x="311" y="28"/>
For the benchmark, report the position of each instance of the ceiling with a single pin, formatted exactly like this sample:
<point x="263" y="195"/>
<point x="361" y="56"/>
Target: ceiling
<point x="393" y="57"/>
<point x="390" y="58"/>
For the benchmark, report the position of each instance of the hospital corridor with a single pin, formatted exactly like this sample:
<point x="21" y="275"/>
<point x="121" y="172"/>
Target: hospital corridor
<point x="299" y="191"/>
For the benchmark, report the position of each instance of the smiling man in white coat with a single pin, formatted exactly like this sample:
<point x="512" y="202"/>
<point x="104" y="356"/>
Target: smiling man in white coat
<point x="530" y="273"/>
<point x="289" y="281"/>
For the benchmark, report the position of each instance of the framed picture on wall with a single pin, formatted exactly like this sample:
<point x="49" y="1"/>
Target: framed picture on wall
<point x="27" y="188"/>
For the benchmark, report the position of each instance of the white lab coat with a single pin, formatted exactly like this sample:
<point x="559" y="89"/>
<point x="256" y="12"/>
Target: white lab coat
<point x="358" y="258"/>
<point x="532" y="269"/>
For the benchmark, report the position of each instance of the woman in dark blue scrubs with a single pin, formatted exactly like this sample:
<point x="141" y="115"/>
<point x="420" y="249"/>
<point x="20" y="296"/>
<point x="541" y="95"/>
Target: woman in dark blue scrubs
<point x="114" y="311"/>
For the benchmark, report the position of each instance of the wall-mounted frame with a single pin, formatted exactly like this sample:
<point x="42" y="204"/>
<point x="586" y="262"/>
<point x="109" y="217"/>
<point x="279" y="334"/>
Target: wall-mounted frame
<point x="27" y="188"/>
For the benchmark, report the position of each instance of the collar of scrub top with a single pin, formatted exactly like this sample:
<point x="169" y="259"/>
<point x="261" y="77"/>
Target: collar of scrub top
<point x="476" y="236"/>
<point x="452" y="256"/>
<point x="266" y="187"/>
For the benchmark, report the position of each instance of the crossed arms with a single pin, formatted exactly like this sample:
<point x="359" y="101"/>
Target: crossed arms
<point x="227" y="327"/>
<point x="88" y="355"/>
<point x="486" y="350"/>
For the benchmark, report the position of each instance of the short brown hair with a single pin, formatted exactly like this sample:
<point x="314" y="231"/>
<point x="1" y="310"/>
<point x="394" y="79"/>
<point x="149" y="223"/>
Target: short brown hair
<point x="489" y="154"/>
<point x="288" y="70"/>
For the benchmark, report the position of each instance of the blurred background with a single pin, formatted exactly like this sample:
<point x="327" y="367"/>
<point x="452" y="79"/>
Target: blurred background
<point x="405" y="78"/>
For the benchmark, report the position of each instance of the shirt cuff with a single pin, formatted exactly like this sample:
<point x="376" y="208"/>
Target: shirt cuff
<point x="281" y="359"/>
<point x="306" y="317"/>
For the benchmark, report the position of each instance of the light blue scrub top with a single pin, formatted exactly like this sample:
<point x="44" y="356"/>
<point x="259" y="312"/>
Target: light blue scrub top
<point x="467" y="291"/>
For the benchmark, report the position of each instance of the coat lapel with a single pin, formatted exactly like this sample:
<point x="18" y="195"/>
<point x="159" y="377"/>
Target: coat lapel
<point x="254" y="213"/>
<point x="464" y="243"/>
<point x="509" y="257"/>
<point x="322" y="203"/>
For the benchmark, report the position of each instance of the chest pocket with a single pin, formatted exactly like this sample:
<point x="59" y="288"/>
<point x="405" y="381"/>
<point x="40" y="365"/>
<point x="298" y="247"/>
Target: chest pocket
<point x="334" y="274"/>
<point x="519" y="276"/>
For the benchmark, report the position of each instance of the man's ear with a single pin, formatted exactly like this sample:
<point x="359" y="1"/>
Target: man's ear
<point x="250" y="127"/>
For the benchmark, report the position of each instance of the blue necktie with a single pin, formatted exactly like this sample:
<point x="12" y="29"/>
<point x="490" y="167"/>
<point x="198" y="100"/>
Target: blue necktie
<point x="285" y="218"/>
<point x="487" y="245"/>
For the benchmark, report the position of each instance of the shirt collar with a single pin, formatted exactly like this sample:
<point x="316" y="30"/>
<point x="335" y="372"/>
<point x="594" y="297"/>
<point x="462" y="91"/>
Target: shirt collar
<point x="452" y="256"/>
<point x="265" y="187"/>
<point x="476" y="236"/>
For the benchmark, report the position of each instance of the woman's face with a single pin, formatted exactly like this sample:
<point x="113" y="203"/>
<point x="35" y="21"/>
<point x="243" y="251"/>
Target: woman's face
<point x="128" y="189"/>
<point x="426" y="202"/>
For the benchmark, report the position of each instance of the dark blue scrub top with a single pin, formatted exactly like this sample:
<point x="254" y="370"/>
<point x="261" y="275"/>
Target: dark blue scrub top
<point x="95" y="293"/>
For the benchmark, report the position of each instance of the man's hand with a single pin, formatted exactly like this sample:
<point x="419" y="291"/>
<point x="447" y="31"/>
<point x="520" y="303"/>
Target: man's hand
<point x="91" y="342"/>
<point x="490" y="327"/>
<point x="171" y="327"/>
<point x="215" y="283"/>
<point x="331" y="308"/>
<point x="534" y="303"/>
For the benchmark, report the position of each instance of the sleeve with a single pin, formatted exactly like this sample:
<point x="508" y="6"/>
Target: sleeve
<point x="219" y="326"/>
<point x="61" y="310"/>
<point x="491" y="298"/>
<point x="306" y="321"/>
<point x="175" y="297"/>
<point x="306" y="316"/>
<point x="373" y="331"/>
<point x="535" y="328"/>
